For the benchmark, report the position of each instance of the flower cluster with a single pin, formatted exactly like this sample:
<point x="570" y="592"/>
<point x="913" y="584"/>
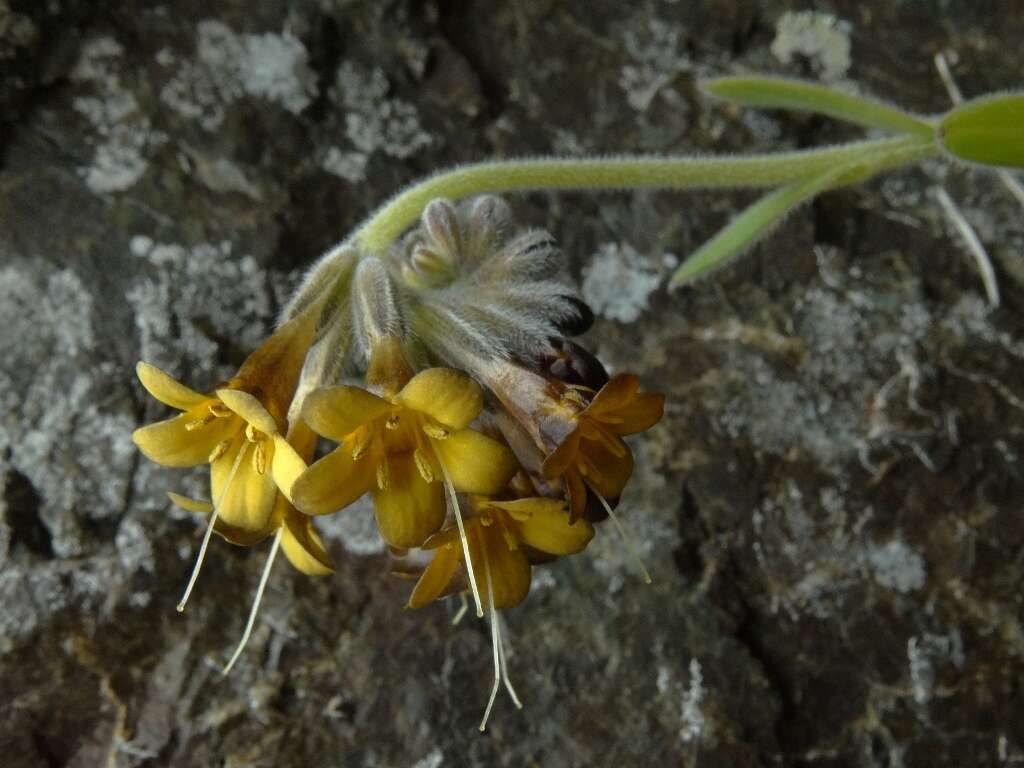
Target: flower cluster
<point x="442" y="376"/>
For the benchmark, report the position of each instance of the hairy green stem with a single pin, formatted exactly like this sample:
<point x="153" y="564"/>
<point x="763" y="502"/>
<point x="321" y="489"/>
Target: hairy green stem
<point x="612" y="173"/>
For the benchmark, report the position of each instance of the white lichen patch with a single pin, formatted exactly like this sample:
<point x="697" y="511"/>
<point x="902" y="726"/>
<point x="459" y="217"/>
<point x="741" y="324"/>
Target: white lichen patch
<point x="350" y="166"/>
<point x="63" y="426"/>
<point x="923" y="652"/>
<point x="374" y="122"/>
<point x="896" y="566"/>
<point x="850" y="350"/>
<point x="687" y="702"/>
<point x="191" y="298"/>
<point x="228" y="66"/>
<point x="821" y="37"/>
<point x="814" y="553"/>
<point x="657" y="60"/>
<point x="125" y="136"/>
<point x="618" y="282"/>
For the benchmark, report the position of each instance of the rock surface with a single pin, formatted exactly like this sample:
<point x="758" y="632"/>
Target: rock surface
<point x="831" y="509"/>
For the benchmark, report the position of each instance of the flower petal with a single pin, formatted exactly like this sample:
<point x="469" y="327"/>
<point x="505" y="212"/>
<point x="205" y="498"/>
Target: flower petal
<point x="409" y="509"/>
<point x="245" y="500"/>
<point x="303" y="546"/>
<point x="190" y="505"/>
<point x="545" y="526"/>
<point x="507" y="569"/>
<point x="337" y="412"/>
<point x="607" y="472"/>
<point x="445" y="395"/>
<point x="576" y="492"/>
<point x="639" y="415"/>
<point x="437" y="575"/>
<point x="285" y="466"/>
<point x="619" y="390"/>
<point x="333" y="482"/>
<point x="475" y="462"/>
<point x="173" y="444"/>
<point x="249" y="408"/>
<point x="563" y="456"/>
<point x="166" y="389"/>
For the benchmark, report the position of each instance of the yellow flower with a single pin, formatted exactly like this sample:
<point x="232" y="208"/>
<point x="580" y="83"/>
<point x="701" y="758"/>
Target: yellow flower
<point x="295" y="535"/>
<point x="238" y="429"/>
<point x="503" y="538"/>
<point x="400" y="448"/>
<point x="593" y="453"/>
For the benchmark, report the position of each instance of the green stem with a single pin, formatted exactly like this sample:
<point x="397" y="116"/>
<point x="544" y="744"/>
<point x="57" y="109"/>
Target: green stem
<point x="611" y="173"/>
<point x="755" y="221"/>
<point x="783" y="93"/>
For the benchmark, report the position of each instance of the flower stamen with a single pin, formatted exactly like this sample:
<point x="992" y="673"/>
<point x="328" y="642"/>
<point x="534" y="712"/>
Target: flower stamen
<point x="463" y="607"/>
<point x="256" y="603"/>
<point x="498" y="649"/>
<point x="209" y="530"/>
<point x="626" y="538"/>
<point x="454" y="501"/>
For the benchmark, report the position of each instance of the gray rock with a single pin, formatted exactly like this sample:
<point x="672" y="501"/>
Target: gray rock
<point x="830" y="509"/>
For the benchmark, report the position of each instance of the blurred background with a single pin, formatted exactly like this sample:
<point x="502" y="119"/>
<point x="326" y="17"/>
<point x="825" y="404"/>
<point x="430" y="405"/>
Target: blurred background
<point x="830" y="509"/>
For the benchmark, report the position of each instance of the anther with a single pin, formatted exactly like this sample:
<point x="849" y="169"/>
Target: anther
<point x="382" y="476"/>
<point x="202" y="421"/>
<point x="253" y="434"/>
<point x="259" y="458"/>
<point x="219" y="450"/>
<point x="218" y="410"/>
<point x="391" y="423"/>
<point x="435" y="431"/>
<point x="425" y="470"/>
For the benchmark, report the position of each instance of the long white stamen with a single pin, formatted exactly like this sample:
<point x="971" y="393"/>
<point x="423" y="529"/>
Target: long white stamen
<point x="463" y="607"/>
<point x="504" y="664"/>
<point x="209" y="529"/>
<point x="495" y="645"/>
<point x="256" y="603"/>
<point x="454" y="501"/>
<point x="626" y="539"/>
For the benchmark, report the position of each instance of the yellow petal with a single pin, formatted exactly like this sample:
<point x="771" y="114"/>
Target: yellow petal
<point x="409" y="509"/>
<point x="172" y="444"/>
<point x="608" y="472"/>
<point x="303" y="546"/>
<point x="333" y="482"/>
<point x="247" y="501"/>
<point x="249" y="408"/>
<point x="615" y="394"/>
<point x="437" y="575"/>
<point x="544" y="525"/>
<point x="576" y="492"/>
<point x="507" y="569"/>
<point x="190" y="505"/>
<point x="475" y="462"/>
<point x="337" y="412"/>
<point x="238" y="536"/>
<point x="444" y="394"/>
<point x="275" y="366"/>
<point x="166" y="389"/>
<point x="639" y="415"/>
<point x="285" y="466"/>
<point x="563" y="456"/>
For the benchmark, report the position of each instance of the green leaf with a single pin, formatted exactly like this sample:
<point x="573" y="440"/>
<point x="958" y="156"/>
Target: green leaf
<point x="753" y="224"/>
<point x="989" y="130"/>
<point x="785" y="93"/>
